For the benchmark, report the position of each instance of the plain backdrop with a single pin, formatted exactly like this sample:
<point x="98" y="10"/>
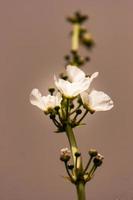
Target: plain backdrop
<point x="34" y="37"/>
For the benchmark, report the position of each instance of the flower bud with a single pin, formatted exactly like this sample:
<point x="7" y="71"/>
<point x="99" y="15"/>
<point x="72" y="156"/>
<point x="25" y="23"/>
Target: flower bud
<point x="71" y="105"/>
<point x="65" y="155"/>
<point x="67" y="57"/>
<point x="77" y="154"/>
<point x="52" y="116"/>
<point x="63" y="76"/>
<point x="57" y="108"/>
<point x="79" y="111"/>
<point x="79" y="100"/>
<point x="70" y="167"/>
<point x="87" y="40"/>
<point x="87" y="59"/>
<point x="51" y="90"/>
<point x="93" y="152"/>
<point x="77" y="18"/>
<point x="98" y="160"/>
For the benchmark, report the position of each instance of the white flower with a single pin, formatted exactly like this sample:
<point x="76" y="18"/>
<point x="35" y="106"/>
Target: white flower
<point x="71" y="90"/>
<point x="44" y="102"/>
<point x="97" y="101"/>
<point x="75" y="74"/>
<point x="79" y="83"/>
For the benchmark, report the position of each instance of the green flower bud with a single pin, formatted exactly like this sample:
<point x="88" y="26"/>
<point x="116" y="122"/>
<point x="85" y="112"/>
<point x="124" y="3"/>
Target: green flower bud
<point x="87" y="40"/>
<point x="93" y="152"/>
<point x="77" y="18"/>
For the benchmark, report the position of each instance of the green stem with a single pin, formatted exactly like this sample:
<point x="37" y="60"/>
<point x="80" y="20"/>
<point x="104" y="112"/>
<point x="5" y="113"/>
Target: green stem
<point x="73" y="145"/>
<point x="87" y="165"/>
<point x="80" y="191"/>
<point x="91" y="173"/>
<point x="70" y="175"/>
<point x="75" y="37"/>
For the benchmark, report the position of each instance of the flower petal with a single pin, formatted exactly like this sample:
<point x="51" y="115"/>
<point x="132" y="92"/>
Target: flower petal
<point x="71" y="90"/>
<point x="97" y="101"/>
<point x="58" y="99"/>
<point x="93" y="76"/>
<point x="74" y="73"/>
<point x="36" y="99"/>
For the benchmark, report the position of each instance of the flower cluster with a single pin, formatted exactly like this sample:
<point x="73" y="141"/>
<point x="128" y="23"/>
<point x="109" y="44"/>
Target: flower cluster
<point x="76" y="85"/>
<point x="95" y="161"/>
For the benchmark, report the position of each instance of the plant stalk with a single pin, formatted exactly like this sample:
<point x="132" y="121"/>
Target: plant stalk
<point x="80" y="190"/>
<point x="73" y="145"/>
<point x="78" y="167"/>
<point x="75" y="37"/>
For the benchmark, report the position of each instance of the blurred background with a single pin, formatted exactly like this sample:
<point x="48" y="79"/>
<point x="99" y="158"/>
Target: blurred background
<point x="34" y="37"/>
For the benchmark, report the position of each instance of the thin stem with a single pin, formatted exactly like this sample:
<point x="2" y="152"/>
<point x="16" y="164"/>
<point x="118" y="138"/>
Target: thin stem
<point x="87" y="165"/>
<point x="81" y="191"/>
<point x="59" y="116"/>
<point x="70" y="175"/>
<point x="76" y="109"/>
<point x="92" y="170"/>
<point x="74" y="119"/>
<point x="83" y="116"/>
<point x="73" y="146"/>
<point x="75" y="37"/>
<point x="57" y="124"/>
<point x="67" y="108"/>
<point x="90" y="174"/>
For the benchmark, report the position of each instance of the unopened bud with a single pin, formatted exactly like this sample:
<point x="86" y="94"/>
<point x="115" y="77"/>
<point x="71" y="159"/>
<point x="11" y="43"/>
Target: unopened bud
<point x="67" y="57"/>
<point x="51" y="90"/>
<point x="57" y="108"/>
<point x="79" y="111"/>
<point x="52" y="116"/>
<point x="70" y="167"/>
<point x="65" y="155"/>
<point x="79" y="100"/>
<point x="77" y="154"/>
<point x="93" y="152"/>
<point x="87" y="40"/>
<point x="98" y="160"/>
<point x="71" y="105"/>
<point x="63" y="76"/>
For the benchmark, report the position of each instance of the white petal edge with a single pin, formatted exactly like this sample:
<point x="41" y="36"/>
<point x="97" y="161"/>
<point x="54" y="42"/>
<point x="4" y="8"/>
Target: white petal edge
<point x="36" y="98"/>
<point x="74" y="73"/>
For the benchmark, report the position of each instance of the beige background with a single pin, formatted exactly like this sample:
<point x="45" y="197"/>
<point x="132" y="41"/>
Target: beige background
<point x="33" y="41"/>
